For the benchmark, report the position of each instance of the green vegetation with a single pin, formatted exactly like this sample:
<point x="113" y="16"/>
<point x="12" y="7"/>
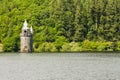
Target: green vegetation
<point x="62" y="25"/>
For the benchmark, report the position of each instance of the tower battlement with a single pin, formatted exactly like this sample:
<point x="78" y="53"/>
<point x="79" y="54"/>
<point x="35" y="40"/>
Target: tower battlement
<point x="26" y="39"/>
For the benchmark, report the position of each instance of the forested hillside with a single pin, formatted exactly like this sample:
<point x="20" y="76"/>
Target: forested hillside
<point x="62" y="25"/>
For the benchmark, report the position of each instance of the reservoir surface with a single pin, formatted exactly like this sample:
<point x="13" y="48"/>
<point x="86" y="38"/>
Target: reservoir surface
<point x="60" y="66"/>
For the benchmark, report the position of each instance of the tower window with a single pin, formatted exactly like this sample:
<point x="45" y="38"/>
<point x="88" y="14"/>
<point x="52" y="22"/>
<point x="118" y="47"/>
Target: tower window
<point x="25" y="31"/>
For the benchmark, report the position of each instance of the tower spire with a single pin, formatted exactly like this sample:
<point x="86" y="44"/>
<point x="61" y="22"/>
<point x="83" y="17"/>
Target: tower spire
<point x="25" y="25"/>
<point x="31" y="29"/>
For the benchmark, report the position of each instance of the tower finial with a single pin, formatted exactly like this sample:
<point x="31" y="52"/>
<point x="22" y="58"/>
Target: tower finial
<point x="25" y="25"/>
<point x="31" y="29"/>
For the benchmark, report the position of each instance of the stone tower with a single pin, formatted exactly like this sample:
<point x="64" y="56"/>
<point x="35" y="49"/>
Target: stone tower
<point x="26" y="42"/>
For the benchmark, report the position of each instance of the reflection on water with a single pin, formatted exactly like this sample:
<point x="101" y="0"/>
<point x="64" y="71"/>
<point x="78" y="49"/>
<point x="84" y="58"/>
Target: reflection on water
<point x="69" y="66"/>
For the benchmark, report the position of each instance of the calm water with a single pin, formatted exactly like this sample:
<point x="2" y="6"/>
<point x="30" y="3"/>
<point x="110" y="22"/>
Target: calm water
<point x="69" y="66"/>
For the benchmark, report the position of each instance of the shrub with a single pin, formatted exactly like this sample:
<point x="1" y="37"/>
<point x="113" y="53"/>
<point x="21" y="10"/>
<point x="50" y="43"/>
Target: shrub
<point x="76" y="47"/>
<point x="105" y="46"/>
<point x="59" y="42"/>
<point x="66" y="47"/>
<point x="71" y="47"/>
<point x="89" y="45"/>
<point x="46" y="47"/>
<point x="118" y="46"/>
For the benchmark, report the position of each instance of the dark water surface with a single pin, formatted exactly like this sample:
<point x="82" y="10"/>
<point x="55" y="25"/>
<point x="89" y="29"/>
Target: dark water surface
<point x="68" y="66"/>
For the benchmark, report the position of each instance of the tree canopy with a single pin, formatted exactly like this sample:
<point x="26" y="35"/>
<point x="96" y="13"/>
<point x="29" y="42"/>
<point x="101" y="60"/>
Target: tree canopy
<point x="59" y="21"/>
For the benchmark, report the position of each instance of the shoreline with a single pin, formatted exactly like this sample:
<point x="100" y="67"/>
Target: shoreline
<point x="97" y="52"/>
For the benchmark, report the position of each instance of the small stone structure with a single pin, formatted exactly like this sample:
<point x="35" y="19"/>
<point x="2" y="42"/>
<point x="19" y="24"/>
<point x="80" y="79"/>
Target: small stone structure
<point x="26" y="39"/>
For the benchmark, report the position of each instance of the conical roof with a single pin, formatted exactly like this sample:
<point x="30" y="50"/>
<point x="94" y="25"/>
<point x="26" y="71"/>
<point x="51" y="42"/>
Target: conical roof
<point x="31" y="29"/>
<point x="25" y="25"/>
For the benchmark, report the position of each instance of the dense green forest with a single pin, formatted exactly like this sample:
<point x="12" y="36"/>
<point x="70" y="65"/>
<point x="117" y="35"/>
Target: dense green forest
<point x="62" y="25"/>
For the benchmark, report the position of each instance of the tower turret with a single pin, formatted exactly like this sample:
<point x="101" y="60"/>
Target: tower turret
<point x="31" y="29"/>
<point x="26" y="42"/>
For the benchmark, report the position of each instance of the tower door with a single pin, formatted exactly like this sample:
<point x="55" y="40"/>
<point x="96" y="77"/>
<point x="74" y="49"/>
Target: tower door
<point x="25" y="50"/>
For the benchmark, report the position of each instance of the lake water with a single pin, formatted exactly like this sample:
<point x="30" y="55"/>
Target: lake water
<point x="60" y="66"/>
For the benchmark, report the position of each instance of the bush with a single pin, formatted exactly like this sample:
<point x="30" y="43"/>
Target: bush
<point x="97" y="46"/>
<point x="118" y="46"/>
<point x="89" y="45"/>
<point x="105" y="46"/>
<point x="46" y="47"/>
<point x="60" y="41"/>
<point x="66" y="47"/>
<point x="71" y="47"/>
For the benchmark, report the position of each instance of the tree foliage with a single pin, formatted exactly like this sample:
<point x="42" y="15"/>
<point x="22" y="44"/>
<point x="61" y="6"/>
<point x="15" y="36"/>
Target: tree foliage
<point x="69" y="20"/>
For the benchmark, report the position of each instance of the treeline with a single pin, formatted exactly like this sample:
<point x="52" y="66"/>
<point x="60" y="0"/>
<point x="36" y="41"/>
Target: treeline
<point x="57" y="22"/>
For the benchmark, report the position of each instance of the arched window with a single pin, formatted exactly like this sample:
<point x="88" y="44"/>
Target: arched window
<point x="25" y="33"/>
